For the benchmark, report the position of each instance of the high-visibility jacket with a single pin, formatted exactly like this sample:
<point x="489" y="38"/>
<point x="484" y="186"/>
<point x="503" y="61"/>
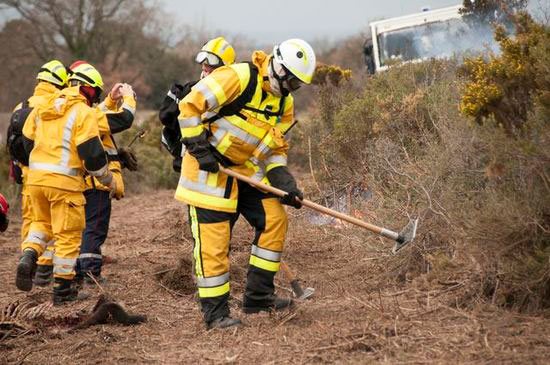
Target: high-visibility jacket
<point x="65" y="142"/>
<point x="251" y="132"/>
<point x="112" y="119"/>
<point x="42" y="91"/>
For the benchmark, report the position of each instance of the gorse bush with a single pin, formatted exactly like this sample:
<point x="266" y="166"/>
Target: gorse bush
<point x="503" y="88"/>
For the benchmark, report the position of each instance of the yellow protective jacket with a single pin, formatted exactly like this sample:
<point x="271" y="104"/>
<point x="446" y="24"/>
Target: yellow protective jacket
<point x="112" y="119"/>
<point x="255" y="168"/>
<point x="42" y="91"/>
<point x="64" y="142"/>
<point x="251" y="136"/>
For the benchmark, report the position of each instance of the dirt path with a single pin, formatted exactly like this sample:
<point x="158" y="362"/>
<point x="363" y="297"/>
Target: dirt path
<point x="356" y="316"/>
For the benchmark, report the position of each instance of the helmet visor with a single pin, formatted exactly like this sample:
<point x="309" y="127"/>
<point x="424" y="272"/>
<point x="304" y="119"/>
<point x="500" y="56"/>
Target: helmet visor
<point x="209" y="58"/>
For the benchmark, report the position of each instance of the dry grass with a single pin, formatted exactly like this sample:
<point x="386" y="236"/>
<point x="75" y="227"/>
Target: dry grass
<point x="362" y="311"/>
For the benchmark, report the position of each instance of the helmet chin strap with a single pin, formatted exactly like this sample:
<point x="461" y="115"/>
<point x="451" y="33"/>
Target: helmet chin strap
<point x="276" y="82"/>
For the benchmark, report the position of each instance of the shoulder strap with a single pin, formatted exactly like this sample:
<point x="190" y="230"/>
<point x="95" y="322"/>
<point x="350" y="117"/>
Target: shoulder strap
<point x="239" y="103"/>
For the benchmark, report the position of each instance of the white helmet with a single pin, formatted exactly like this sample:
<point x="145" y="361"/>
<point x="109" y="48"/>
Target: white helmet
<point x="298" y="57"/>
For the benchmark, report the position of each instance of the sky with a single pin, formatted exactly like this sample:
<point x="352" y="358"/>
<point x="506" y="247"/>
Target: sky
<point x="274" y="21"/>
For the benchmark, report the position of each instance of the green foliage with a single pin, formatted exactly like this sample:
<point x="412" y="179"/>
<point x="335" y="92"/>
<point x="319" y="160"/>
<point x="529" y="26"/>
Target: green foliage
<point x="503" y="88"/>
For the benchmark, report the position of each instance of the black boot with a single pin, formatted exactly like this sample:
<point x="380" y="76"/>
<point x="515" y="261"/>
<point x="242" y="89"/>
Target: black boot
<point x="26" y="269"/>
<point x="43" y="276"/>
<point x="64" y="291"/>
<point x="273" y="303"/>
<point x="223" y="322"/>
<point x="260" y="292"/>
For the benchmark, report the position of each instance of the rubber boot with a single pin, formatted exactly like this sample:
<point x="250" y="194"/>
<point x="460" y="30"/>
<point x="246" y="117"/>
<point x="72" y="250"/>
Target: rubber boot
<point x="259" y="295"/>
<point x="64" y="291"/>
<point x="273" y="303"/>
<point x="26" y="269"/>
<point x="43" y="276"/>
<point x="223" y="322"/>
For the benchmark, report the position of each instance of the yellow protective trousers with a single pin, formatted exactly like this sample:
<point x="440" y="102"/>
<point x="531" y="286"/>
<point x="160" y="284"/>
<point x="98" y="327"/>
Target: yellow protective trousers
<point x="26" y="215"/>
<point x="211" y="234"/>
<point x="57" y="215"/>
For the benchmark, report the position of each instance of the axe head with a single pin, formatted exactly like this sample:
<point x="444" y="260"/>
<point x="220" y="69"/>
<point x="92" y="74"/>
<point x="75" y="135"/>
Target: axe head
<point x="406" y="235"/>
<point x="308" y="293"/>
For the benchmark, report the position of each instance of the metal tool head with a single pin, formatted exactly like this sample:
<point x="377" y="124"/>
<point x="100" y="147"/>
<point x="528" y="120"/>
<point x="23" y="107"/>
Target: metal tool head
<point x="406" y="235"/>
<point x="308" y="293"/>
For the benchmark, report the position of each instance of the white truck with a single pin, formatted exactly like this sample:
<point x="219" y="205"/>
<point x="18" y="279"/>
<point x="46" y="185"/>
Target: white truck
<point x="416" y="37"/>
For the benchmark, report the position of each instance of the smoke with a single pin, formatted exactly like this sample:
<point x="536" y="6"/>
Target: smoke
<point x="445" y="39"/>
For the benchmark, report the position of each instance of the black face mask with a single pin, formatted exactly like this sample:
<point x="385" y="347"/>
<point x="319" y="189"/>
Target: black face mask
<point x="288" y="82"/>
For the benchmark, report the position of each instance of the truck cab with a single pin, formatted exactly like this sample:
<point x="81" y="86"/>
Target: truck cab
<point x="439" y="33"/>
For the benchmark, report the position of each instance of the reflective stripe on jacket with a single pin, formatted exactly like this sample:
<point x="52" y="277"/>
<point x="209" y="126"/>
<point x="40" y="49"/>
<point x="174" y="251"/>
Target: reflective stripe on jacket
<point x="246" y="138"/>
<point x="57" y="128"/>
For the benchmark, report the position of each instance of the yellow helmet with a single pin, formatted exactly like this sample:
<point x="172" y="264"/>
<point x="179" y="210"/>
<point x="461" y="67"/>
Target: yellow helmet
<point x="53" y="72"/>
<point x="216" y="52"/>
<point x="86" y="74"/>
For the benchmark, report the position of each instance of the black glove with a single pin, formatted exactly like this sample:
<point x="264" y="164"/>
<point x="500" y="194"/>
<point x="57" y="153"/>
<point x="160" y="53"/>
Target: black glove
<point x="293" y="198"/>
<point x="282" y="179"/>
<point x="207" y="162"/>
<point x="128" y="159"/>
<point x="200" y="149"/>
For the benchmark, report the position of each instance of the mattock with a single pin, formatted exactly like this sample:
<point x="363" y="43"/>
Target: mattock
<point x="300" y="293"/>
<point x="402" y="239"/>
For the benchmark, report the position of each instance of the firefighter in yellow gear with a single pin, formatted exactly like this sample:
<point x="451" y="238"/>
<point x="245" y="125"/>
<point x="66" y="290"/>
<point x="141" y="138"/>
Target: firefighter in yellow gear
<point x="234" y="117"/>
<point x="51" y="77"/>
<point x="215" y="53"/>
<point x="114" y="115"/>
<point x="62" y="138"/>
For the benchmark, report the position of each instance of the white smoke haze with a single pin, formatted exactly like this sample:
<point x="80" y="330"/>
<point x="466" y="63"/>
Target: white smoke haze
<point x="443" y="39"/>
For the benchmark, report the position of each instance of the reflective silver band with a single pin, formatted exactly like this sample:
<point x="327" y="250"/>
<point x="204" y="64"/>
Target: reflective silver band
<point x="201" y="188"/>
<point x="189" y="122"/>
<point x="48" y="254"/>
<point x="209" y="96"/>
<point x="37" y="237"/>
<point x="129" y="108"/>
<point x="90" y="256"/>
<point x="213" y="281"/>
<point x="244" y="136"/>
<point x="54" y="168"/>
<point x="172" y="96"/>
<point x="266" y="254"/>
<point x="100" y="172"/>
<point x="67" y="140"/>
<point x="278" y="159"/>
<point x="111" y="151"/>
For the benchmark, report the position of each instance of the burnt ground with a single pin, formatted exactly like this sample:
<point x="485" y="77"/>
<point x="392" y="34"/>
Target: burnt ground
<point x="358" y="315"/>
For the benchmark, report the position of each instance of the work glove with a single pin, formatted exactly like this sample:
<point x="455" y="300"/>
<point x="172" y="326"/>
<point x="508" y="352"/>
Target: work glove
<point x="293" y="198"/>
<point x="281" y="178"/>
<point x="128" y="159"/>
<point x="208" y="162"/>
<point x="112" y="188"/>
<point x="127" y="90"/>
<point x="117" y="191"/>
<point x="206" y="159"/>
<point x="115" y="93"/>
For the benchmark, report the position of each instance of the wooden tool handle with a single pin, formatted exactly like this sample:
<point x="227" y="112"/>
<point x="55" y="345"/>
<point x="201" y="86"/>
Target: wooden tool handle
<point x="287" y="272"/>
<point x="312" y="205"/>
